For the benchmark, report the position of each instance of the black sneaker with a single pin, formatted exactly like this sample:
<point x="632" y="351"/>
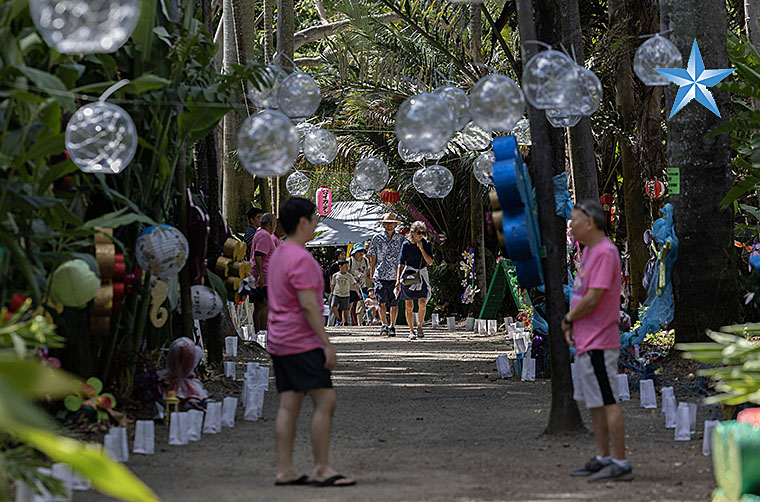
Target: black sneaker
<point x="383" y="330"/>
<point x="392" y="331"/>
<point x="589" y="468"/>
<point x="612" y="472"/>
<point x="420" y="333"/>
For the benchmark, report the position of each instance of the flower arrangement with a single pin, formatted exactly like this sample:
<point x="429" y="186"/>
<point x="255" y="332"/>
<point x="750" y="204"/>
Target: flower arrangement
<point x="467" y="265"/>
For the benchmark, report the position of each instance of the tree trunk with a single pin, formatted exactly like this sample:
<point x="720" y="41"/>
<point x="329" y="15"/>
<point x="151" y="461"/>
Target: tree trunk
<point x="751" y="15"/>
<point x="476" y="200"/>
<point x="704" y="286"/>
<point x="269" y="6"/>
<point x="564" y="416"/>
<point x="285" y="30"/>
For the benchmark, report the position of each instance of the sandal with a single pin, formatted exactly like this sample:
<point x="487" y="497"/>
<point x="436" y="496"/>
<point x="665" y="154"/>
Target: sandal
<point x="333" y="481"/>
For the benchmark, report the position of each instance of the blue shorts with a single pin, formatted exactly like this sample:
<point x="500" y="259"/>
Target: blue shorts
<point x="385" y="293"/>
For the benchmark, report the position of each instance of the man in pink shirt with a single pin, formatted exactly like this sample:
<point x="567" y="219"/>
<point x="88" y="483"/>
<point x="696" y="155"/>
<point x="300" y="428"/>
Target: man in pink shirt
<point x="261" y="253"/>
<point x="302" y="355"/>
<point x="592" y="326"/>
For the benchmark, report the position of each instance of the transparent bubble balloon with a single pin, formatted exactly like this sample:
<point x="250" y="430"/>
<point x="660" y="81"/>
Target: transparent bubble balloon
<point x="424" y="123"/>
<point x="267" y="144"/>
<point x="303" y="129"/>
<point x="358" y="192"/>
<point x="101" y="138"/>
<point x="496" y="103"/>
<point x="473" y="137"/>
<point x="298" y="96"/>
<point x="85" y="26"/>
<point x="657" y="52"/>
<point x="408" y="155"/>
<point x="521" y="132"/>
<point x="483" y="168"/>
<point x="371" y="173"/>
<point x="458" y="102"/>
<point x="434" y="156"/>
<point x="437" y="182"/>
<point x="418" y="178"/>
<point x="561" y="118"/>
<point x="297" y="183"/>
<point x="320" y="146"/>
<point x="588" y="93"/>
<point x="266" y="95"/>
<point x="549" y="80"/>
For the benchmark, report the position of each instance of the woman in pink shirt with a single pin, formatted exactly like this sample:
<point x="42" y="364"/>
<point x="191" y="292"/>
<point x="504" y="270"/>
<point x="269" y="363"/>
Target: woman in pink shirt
<point x="302" y="355"/>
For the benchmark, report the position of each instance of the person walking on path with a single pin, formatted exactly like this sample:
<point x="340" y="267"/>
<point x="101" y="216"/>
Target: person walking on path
<point x="358" y="266"/>
<point x="342" y="284"/>
<point x="412" y="279"/>
<point x="340" y="254"/>
<point x="263" y="247"/>
<point x="302" y="355"/>
<point x="254" y="221"/>
<point x="384" y="251"/>
<point x="278" y="234"/>
<point x="592" y="326"/>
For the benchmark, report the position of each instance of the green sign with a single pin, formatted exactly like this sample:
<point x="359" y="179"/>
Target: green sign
<point x="674" y="180"/>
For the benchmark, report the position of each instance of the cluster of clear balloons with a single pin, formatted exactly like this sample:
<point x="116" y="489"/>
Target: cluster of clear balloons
<point x="657" y="52"/>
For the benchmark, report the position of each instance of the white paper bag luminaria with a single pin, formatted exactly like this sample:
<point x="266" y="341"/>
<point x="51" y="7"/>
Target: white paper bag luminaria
<point x="179" y="423"/>
<point x="528" y="369"/>
<point x="624" y="391"/>
<point x="144" y="438"/>
<point x="229" y="369"/>
<point x="503" y="366"/>
<point x="254" y="403"/>
<point x="195" y="425"/>
<point x="492" y="326"/>
<point x="667" y="392"/>
<point x="434" y="321"/>
<point x="212" y="424"/>
<point x="65" y="474"/>
<point x="707" y="439"/>
<point x="230" y="346"/>
<point x="469" y="324"/>
<point x="451" y="323"/>
<point x="669" y="409"/>
<point x="229" y="407"/>
<point x="115" y="442"/>
<point x="682" y="423"/>
<point x="648" y="398"/>
<point x="692" y="418"/>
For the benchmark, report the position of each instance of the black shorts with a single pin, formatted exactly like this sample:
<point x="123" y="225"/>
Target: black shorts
<point x="259" y="295"/>
<point x="385" y="292"/>
<point x="301" y="372"/>
<point x="340" y="302"/>
<point x="354" y="297"/>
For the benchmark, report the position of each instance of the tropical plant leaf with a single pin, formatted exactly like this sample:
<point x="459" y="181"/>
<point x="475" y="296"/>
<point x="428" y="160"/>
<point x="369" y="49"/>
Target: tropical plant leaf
<point x="36" y="381"/>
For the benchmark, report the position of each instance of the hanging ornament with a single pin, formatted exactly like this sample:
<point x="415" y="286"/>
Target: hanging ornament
<point x="371" y="173"/>
<point x="320" y="146"/>
<point x="655" y="189"/>
<point x="303" y="128"/>
<point x="206" y="302"/>
<point x="550" y="80"/>
<point x="437" y="182"/>
<point x="482" y="168"/>
<point x="424" y="123"/>
<point x="657" y="52"/>
<point x="267" y="144"/>
<point x="390" y="196"/>
<point x="357" y="192"/>
<point x="85" y="26"/>
<point x="521" y="132"/>
<point x="101" y="138"/>
<point x="324" y="201"/>
<point x="560" y="118"/>
<point x="408" y="155"/>
<point x="434" y="156"/>
<point x="458" y="102"/>
<point x="298" y="96"/>
<point x="297" y="184"/>
<point x="496" y="103"/>
<point x="265" y="95"/>
<point x="606" y="200"/>
<point x="474" y="138"/>
<point x="418" y="178"/>
<point x="161" y="249"/>
<point x="589" y="93"/>
<point x="73" y="284"/>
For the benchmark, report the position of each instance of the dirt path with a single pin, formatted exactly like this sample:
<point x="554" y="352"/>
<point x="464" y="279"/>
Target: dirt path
<point x="425" y="420"/>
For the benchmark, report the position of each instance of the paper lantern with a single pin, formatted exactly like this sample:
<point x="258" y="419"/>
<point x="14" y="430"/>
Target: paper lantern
<point x="408" y="155"/>
<point x="206" y="302"/>
<point x="357" y="192"/>
<point x="73" y="284"/>
<point x="424" y="123"/>
<point x="267" y="144"/>
<point x="657" y="52"/>
<point x="483" y="168"/>
<point x="161" y="249"/>
<point x="655" y="189"/>
<point x="85" y="26"/>
<point x="390" y="196"/>
<point x="606" y="199"/>
<point x="101" y="138"/>
<point x="436" y="181"/>
<point x="266" y="95"/>
<point x="324" y="201"/>
<point x="521" y="132"/>
<point x="298" y="96"/>
<point x="320" y="146"/>
<point x="297" y="184"/>
<point x="561" y="118"/>
<point x="458" y="102"/>
<point x="549" y="80"/>
<point x="496" y="103"/>
<point x="371" y="173"/>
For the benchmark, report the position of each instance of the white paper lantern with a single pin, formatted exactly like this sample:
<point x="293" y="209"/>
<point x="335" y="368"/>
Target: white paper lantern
<point x="437" y="182"/>
<point x="657" y="52"/>
<point x="473" y="137"/>
<point x="101" y="138"/>
<point x="458" y="102"/>
<point x="267" y="144"/>
<point x="496" y="103"/>
<point x="550" y="80"/>
<point x="424" y="123"/>
<point x="357" y="192"/>
<point x="521" y="132"/>
<point x="85" y="26"/>
<point x="303" y="128"/>
<point x="588" y="93"/>
<point x="206" y="302"/>
<point x="266" y="95"/>
<point x="408" y="155"/>
<point x="161" y="249"/>
<point x="371" y="173"/>
<point x="298" y="96"/>
<point x="561" y="118"/>
<point x="320" y="146"/>
<point x="297" y="184"/>
<point x="483" y="168"/>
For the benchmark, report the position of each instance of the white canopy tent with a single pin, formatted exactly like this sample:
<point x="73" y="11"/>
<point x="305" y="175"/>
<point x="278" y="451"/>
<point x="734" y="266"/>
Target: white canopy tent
<point x="348" y="222"/>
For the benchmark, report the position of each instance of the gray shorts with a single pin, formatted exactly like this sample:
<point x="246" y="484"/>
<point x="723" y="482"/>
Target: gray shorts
<point x="596" y="377"/>
<point x="340" y="302"/>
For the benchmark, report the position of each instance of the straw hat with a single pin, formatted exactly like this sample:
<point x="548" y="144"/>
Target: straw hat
<point x="389" y="218"/>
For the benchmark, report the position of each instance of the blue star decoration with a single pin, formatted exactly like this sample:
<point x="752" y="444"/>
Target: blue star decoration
<point x="694" y="81"/>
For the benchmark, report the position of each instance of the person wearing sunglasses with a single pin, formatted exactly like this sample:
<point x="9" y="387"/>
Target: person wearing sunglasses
<point x="412" y="279"/>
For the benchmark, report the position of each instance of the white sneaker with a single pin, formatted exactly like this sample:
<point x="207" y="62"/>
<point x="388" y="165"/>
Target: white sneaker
<point x="412" y="336"/>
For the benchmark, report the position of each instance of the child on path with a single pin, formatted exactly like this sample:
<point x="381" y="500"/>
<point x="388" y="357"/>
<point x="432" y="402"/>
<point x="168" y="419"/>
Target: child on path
<point x="341" y="284"/>
<point x="372" y="307"/>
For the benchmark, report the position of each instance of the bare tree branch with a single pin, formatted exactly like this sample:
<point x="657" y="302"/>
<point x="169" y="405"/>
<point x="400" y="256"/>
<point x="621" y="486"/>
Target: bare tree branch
<point x="309" y="62"/>
<point x="321" y="11"/>
<point x="321" y="31"/>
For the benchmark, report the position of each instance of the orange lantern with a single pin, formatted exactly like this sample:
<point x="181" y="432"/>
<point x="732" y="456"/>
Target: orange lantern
<point x="390" y="196"/>
<point x="606" y="200"/>
<point x="655" y="189"/>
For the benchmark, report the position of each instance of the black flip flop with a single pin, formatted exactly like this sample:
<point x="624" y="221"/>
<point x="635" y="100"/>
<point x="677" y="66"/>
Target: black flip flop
<point x="332" y="482"/>
<point x="303" y="480"/>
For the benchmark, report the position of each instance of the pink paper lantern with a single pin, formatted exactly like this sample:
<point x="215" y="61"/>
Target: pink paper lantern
<point x="324" y="201"/>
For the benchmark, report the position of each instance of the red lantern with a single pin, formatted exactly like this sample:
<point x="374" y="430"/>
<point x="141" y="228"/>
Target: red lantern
<point x="324" y="201"/>
<point x="655" y="189"/>
<point x="606" y="200"/>
<point x="389" y="196"/>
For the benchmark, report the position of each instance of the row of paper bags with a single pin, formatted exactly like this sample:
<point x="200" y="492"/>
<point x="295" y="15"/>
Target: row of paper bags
<point x="524" y="366"/>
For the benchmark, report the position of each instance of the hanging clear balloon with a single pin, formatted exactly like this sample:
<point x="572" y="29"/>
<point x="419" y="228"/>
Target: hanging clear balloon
<point x="358" y="192"/>
<point x="297" y="184"/>
<point x="434" y="156"/>
<point x="458" y="102"/>
<point x="588" y="95"/>
<point x="521" y="132"/>
<point x="408" y="155"/>
<point x="263" y="93"/>
<point x="85" y="26"/>
<point x="371" y="173"/>
<point x="473" y="137"/>
<point x="437" y="182"/>
<point x="549" y="80"/>
<point x="101" y="138"/>
<point x="561" y="118"/>
<point x="298" y="96"/>
<point x="320" y="146"/>
<point x="496" y="103"/>
<point x="303" y="128"/>
<point x="267" y="144"/>
<point x="657" y="52"/>
<point x="482" y="168"/>
<point x="418" y="179"/>
<point x="424" y="123"/>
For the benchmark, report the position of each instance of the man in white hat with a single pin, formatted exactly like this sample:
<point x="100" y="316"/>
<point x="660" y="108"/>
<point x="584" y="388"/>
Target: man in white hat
<point x="384" y="251"/>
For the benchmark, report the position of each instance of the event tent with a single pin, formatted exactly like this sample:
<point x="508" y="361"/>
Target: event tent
<point x="348" y="222"/>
